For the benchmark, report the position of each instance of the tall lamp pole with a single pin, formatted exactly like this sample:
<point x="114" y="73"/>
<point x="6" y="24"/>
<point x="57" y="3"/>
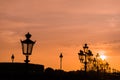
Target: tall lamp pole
<point x="12" y="58"/>
<point x="61" y="56"/>
<point x="97" y="60"/>
<point x="27" y="46"/>
<point x="96" y="63"/>
<point x="85" y="48"/>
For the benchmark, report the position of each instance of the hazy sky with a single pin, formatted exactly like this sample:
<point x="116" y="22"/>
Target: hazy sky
<point x="60" y="26"/>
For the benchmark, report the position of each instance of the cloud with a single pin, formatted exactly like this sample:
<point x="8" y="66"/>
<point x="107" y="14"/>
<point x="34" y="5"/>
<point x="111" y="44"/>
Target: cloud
<point x="9" y="36"/>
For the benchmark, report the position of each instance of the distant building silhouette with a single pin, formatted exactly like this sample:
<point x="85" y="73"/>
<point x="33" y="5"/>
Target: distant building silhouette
<point x="20" y="68"/>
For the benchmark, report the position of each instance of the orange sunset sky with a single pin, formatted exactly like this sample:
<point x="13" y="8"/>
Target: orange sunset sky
<point x="60" y="26"/>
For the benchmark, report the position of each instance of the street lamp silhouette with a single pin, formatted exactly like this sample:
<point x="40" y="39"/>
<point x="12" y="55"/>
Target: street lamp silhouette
<point x="85" y="56"/>
<point x="96" y="61"/>
<point x="107" y="65"/>
<point x="12" y="58"/>
<point x="61" y="56"/>
<point x="27" y="46"/>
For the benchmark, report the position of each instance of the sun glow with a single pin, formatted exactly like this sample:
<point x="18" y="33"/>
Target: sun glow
<point x="103" y="57"/>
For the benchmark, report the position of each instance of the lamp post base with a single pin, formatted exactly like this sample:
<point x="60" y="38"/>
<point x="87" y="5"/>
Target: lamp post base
<point x="27" y="60"/>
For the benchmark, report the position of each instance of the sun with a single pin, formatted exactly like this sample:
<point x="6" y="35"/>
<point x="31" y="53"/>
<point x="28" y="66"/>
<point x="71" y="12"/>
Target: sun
<point x="103" y="57"/>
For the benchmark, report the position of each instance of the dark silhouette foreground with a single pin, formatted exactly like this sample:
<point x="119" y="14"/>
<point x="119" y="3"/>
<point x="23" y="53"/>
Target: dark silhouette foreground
<point x="21" y="71"/>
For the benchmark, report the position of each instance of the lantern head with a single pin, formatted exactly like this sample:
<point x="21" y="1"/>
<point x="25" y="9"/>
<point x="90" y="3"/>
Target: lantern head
<point x="27" y="45"/>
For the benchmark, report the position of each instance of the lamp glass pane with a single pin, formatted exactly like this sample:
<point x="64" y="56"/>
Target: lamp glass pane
<point x="81" y="58"/>
<point x="30" y="46"/>
<point x="86" y="50"/>
<point x="24" y="48"/>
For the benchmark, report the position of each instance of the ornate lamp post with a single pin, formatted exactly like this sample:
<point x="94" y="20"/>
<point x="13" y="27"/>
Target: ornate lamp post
<point x="85" y="56"/>
<point x="96" y="64"/>
<point x="96" y="61"/>
<point x="61" y="56"/>
<point x="107" y="66"/>
<point x="27" y="46"/>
